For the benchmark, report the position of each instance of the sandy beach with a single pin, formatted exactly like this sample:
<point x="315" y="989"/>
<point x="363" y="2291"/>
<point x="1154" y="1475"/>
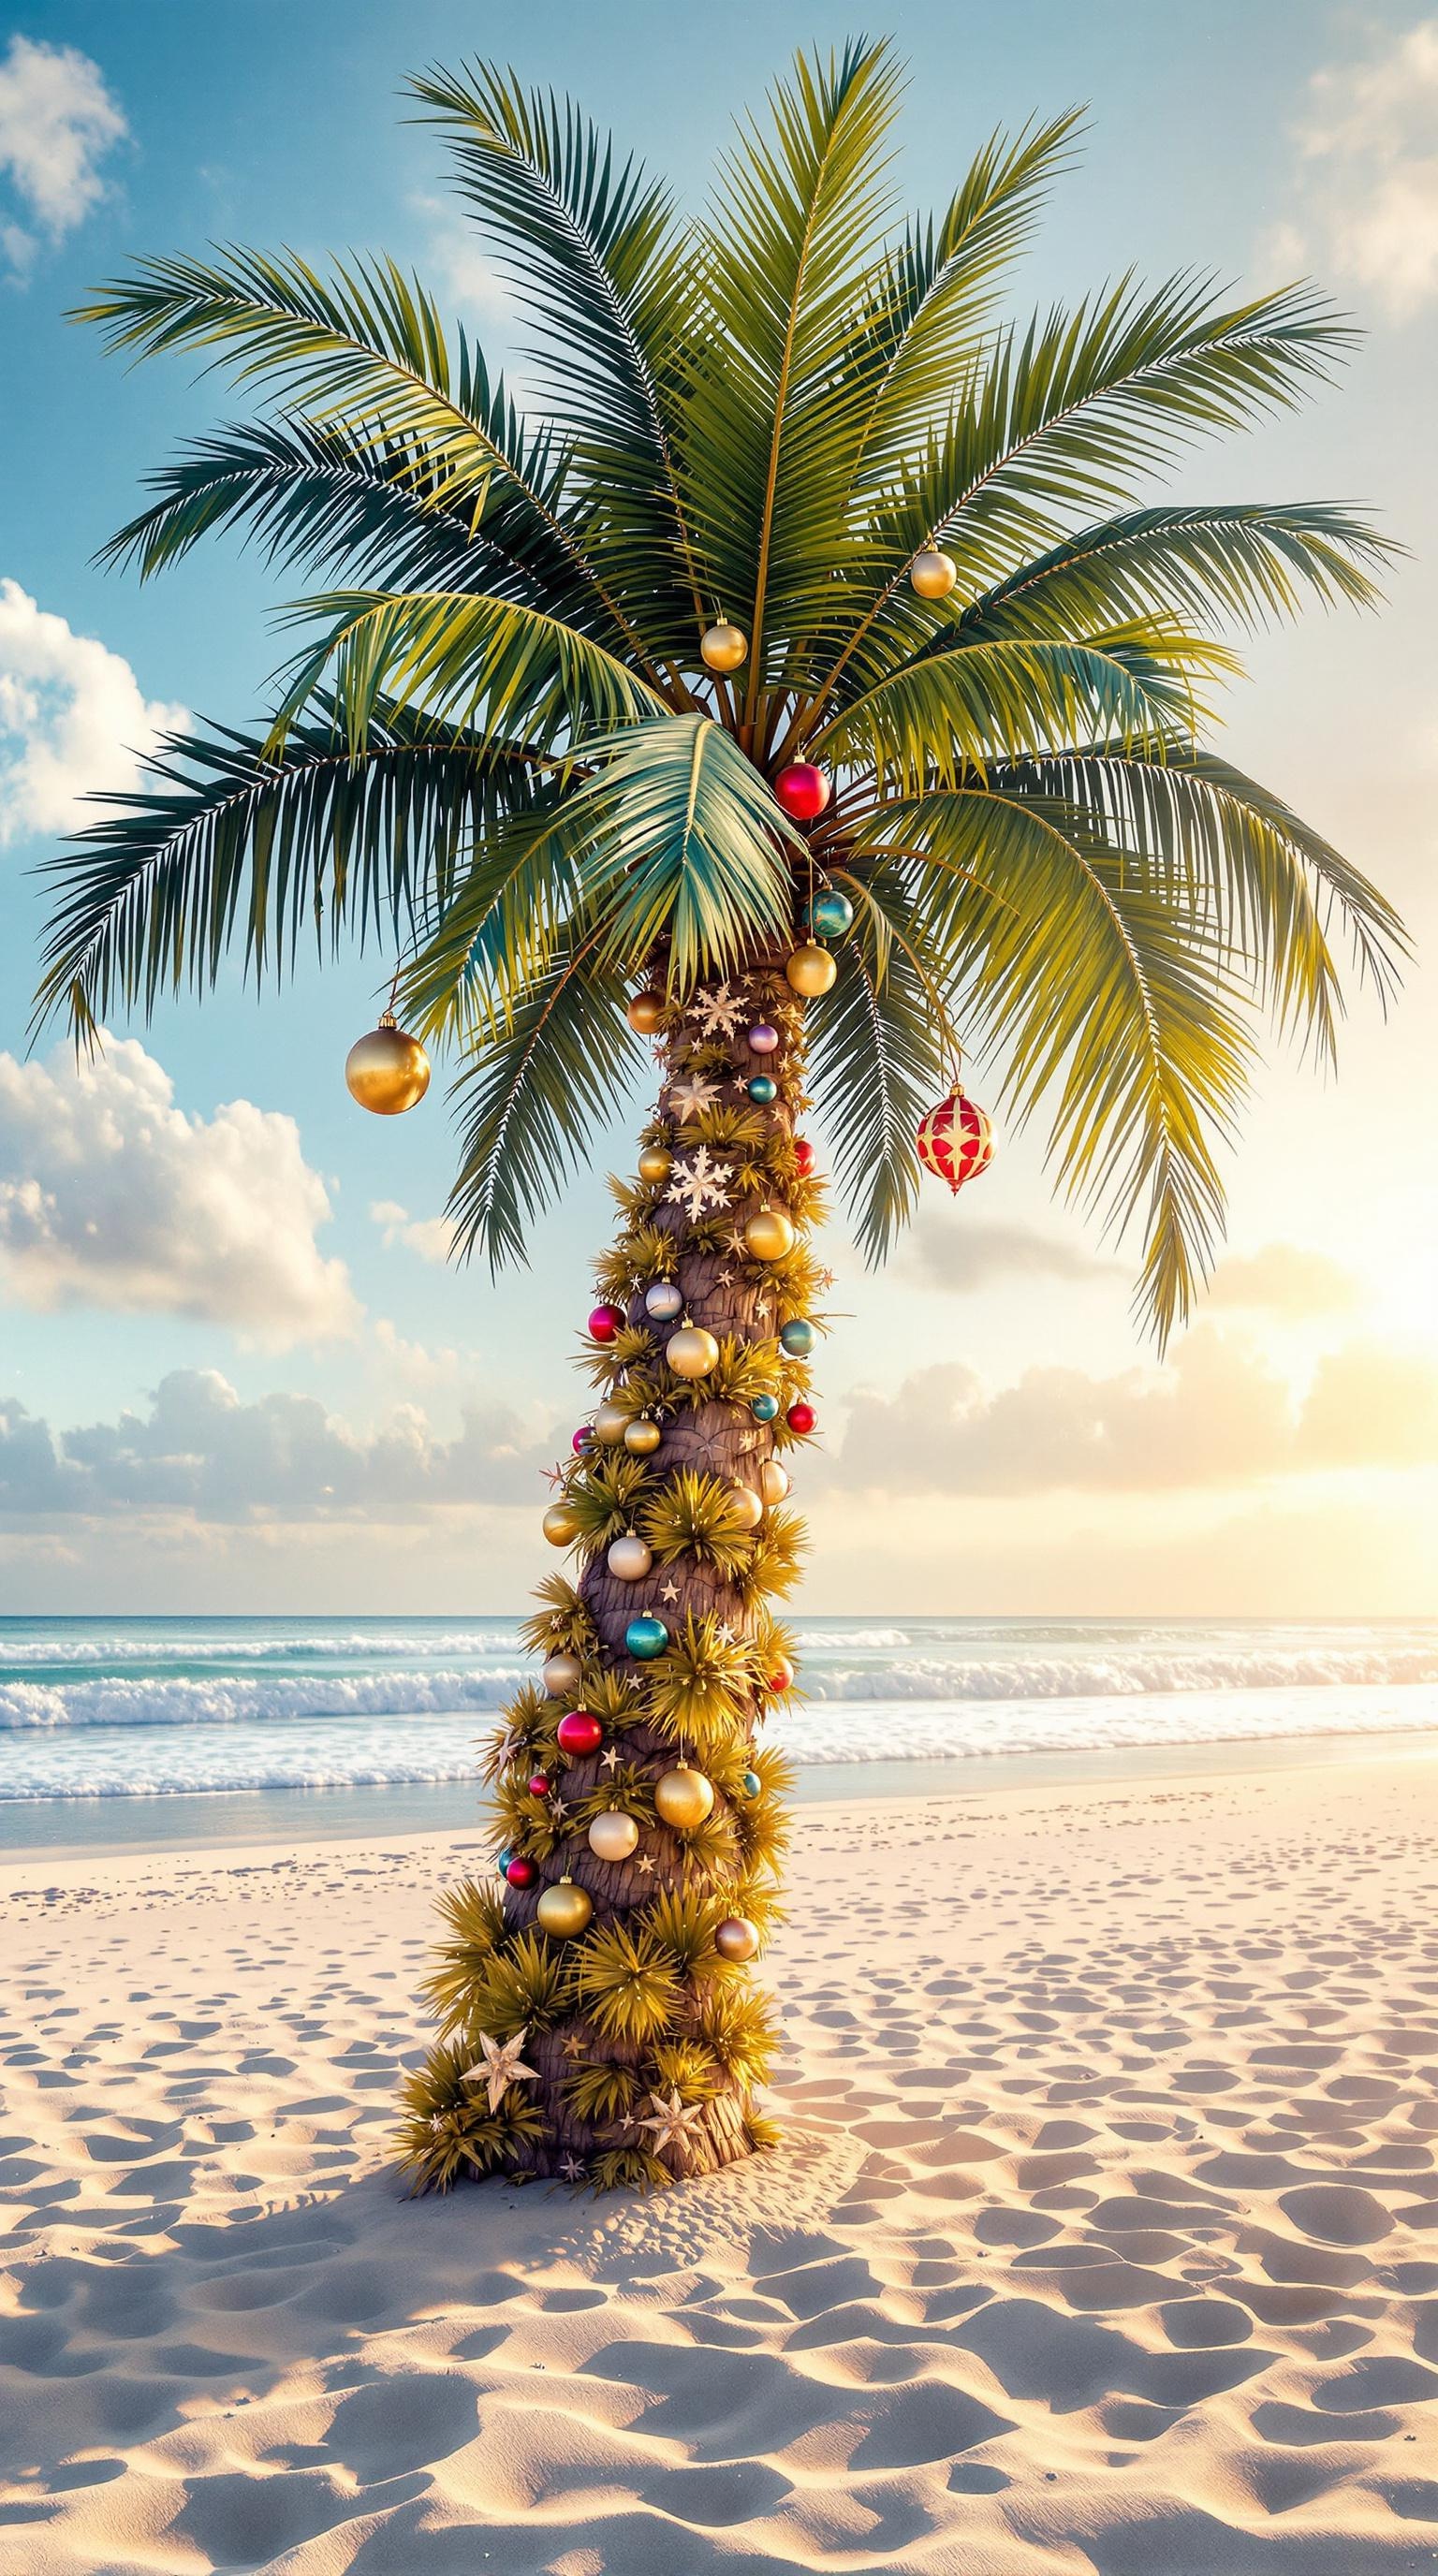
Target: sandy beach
<point x="1105" y="2236"/>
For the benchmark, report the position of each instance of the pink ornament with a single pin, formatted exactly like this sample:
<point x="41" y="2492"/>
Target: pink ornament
<point x="803" y="790"/>
<point x="539" y="1785"/>
<point x="519" y="1871"/>
<point x="763" y="1039"/>
<point x="583" y="1439"/>
<point x="605" y="1322"/>
<point x="579" y="1732"/>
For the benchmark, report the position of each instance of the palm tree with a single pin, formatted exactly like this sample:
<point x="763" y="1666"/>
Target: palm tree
<point x="502" y="755"/>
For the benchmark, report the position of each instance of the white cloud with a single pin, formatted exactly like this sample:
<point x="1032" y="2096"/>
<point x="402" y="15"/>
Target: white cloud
<point x="432" y="1237"/>
<point x="1367" y="194"/>
<point x="112" y="1197"/>
<point x="76" y="713"/>
<point x="57" y="122"/>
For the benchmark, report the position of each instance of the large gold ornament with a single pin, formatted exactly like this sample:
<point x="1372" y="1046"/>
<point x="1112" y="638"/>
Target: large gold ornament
<point x="811" y="970"/>
<point x="737" y="1938"/>
<point x="629" y="1560"/>
<point x="642" y="1437"/>
<point x="933" y="573"/>
<point x="683" y="1798"/>
<point x="655" y="1164"/>
<point x="562" y="1676"/>
<point x="747" y="1506"/>
<point x="565" y="1910"/>
<point x="644" y="1013"/>
<point x="692" y="1353"/>
<point x="386" y="1070"/>
<point x="610" y="1424"/>
<point x="769" y="1236"/>
<point x="561" y="1525"/>
<point x="724" y="646"/>
<point x="613" y="1836"/>
<point x="773" y="1481"/>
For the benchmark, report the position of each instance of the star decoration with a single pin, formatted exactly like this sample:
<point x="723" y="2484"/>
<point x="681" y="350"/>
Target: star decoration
<point x="734" y="1242"/>
<point x="670" y="1592"/>
<point x="628" y="2120"/>
<point x="718" y="1011"/>
<point x="572" y="2169"/>
<point x="510" y="1746"/>
<point x="675" y="2124"/>
<point x="558" y="1810"/>
<point x="726" y="1279"/>
<point x="437" y="2123"/>
<point x="573" y="2046"/>
<point x="726" y="1632"/>
<point x="693" y="1097"/>
<point x="645" y="1864"/>
<point x="501" y="2066"/>
<point x="610" y="1761"/>
<point x="826" y="1278"/>
<point x="700" y="1184"/>
<point x="553" y="1475"/>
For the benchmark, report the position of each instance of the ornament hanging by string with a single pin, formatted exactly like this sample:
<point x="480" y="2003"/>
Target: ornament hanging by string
<point x="769" y="1235"/>
<point x="645" y="1013"/>
<point x="723" y="646"/>
<point x="564" y="1910"/>
<point x="811" y="971"/>
<point x="655" y="1165"/>
<point x="642" y="1437"/>
<point x="933" y="573"/>
<point x="683" y="1798"/>
<point x="387" y="1071"/>
<point x="956" y="1140"/>
<point x="828" y="915"/>
<point x="561" y="1525"/>
<point x="802" y="790"/>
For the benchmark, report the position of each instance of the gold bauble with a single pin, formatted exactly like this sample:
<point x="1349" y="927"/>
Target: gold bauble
<point x="773" y="1481"/>
<point x="810" y="970"/>
<point x="683" y="1798"/>
<point x="644" y="1013"/>
<point x="769" y="1235"/>
<point x="386" y="1070"/>
<point x="724" y="646"/>
<point x="610" y="1424"/>
<point x="561" y="1525"/>
<point x="629" y="1560"/>
<point x="613" y="1835"/>
<point x="747" y="1506"/>
<point x="933" y="573"/>
<point x="655" y="1164"/>
<point x="692" y="1353"/>
<point x="642" y="1438"/>
<point x="737" y="1938"/>
<point x="564" y="1910"/>
<point x="562" y="1676"/>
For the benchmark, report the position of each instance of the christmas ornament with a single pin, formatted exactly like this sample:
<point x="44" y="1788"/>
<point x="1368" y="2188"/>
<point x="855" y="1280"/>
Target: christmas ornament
<point x="956" y="1140"/>
<point x="502" y="1860"/>
<point x="501" y="2064"/>
<point x="717" y="1010"/>
<point x="801" y="1417"/>
<point x="692" y="1353"/>
<point x="752" y="1784"/>
<point x="613" y="1835"/>
<point x="773" y="1481"/>
<point x="762" y="1090"/>
<point x="765" y="1408"/>
<point x="579" y="1733"/>
<point x="582" y="1439"/>
<point x="693" y="1096"/>
<point x="811" y="971"/>
<point x="797" y="1337"/>
<point x="519" y="1871"/>
<point x="803" y="1155"/>
<point x="605" y="1322"/>
<point x="674" y="2125"/>
<point x="779" y="1680"/>
<point x="385" y="1070"/>
<point x="629" y="1559"/>
<point x="644" y="1013"/>
<point x="610" y="1424"/>
<point x="748" y="1506"/>
<point x="642" y="1438"/>
<point x="830" y="914"/>
<point x="645" y="1638"/>
<point x="737" y="1938"/>
<point x="933" y="573"/>
<point x="700" y="1183"/>
<point x="763" y="1038"/>
<point x="562" y="1675"/>
<point x="561" y="1525"/>
<point x="564" y="1910"/>
<point x="663" y="1300"/>
<point x="655" y="1164"/>
<point x="683" y="1798"/>
<point x="723" y="646"/>
<point x="802" y="790"/>
<point x="539" y="1785"/>
<point x="769" y="1236"/>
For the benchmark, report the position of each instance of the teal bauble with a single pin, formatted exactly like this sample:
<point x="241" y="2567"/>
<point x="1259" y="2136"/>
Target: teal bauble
<point x="829" y="915"/>
<point x="752" y="1784"/>
<point x="645" y="1638"/>
<point x="763" y="1089"/>
<point x="798" y="1337"/>
<point x="765" y="1408"/>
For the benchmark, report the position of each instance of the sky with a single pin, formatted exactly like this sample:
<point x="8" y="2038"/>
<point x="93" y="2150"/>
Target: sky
<point x="237" y="1371"/>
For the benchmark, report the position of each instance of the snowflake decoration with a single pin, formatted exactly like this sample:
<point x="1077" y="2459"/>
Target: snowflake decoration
<point x="718" y="1011"/>
<point x="558" y="1810"/>
<point x="726" y="1279"/>
<point x="693" y="1097"/>
<point x="674" y="2125"/>
<point x="501" y="2065"/>
<point x="700" y="1184"/>
<point x="572" y="2169"/>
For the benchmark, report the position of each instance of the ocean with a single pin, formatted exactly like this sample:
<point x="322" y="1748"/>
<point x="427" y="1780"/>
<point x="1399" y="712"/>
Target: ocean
<point x="120" y="1733"/>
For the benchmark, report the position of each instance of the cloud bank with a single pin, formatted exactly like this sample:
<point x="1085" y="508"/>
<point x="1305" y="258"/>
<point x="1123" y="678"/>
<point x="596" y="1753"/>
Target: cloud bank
<point x="58" y="121"/>
<point x="72" y="719"/>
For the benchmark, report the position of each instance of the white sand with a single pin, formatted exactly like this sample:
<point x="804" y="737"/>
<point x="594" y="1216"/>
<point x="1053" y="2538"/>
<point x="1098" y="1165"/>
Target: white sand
<point x="1106" y="2238"/>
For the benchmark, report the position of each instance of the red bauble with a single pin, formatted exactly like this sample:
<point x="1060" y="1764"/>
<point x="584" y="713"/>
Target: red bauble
<point x="802" y="790"/>
<point x="583" y="1439"/>
<point x="605" y="1322"/>
<point x="579" y="1732"/>
<point x="539" y="1786"/>
<point x="519" y="1871"/>
<point x="801" y="1417"/>
<point x="803" y="1155"/>
<point x="780" y="1677"/>
<point x="956" y="1140"/>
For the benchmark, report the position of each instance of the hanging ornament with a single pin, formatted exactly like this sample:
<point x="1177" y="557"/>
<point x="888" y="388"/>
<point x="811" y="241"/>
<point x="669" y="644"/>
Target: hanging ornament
<point x="386" y="1070"/>
<point x="765" y="1408"/>
<point x="736" y="1938"/>
<point x="797" y="1337"/>
<point x="539" y="1785"/>
<point x="605" y="1321"/>
<point x="613" y="1836"/>
<point x="811" y="971"/>
<point x="645" y="1013"/>
<point x="610" y="1424"/>
<point x="801" y="1417"/>
<point x="645" y="1638"/>
<point x="802" y="789"/>
<point x="779" y="1679"/>
<point x="763" y="1038"/>
<point x="752" y="1784"/>
<point x="562" y="1675"/>
<point x="933" y="573"/>
<point x="683" y="1798"/>
<point x="956" y="1140"/>
<point x="829" y="915"/>
<point x="724" y="646"/>
<point x="561" y="1525"/>
<point x="663" y="1300"/>
<point x="582" y="1439"/>
<point x="769" y="1236"/>
<point x="748" y="1506"/>
<point x="579" y="1733"/>
<point x="564" y="1910"/>
<point x="773" y="1481"/>
<point x="642" y="1437"/>
<point x="762" y="1089"/>
<point x="502" y="1860"/>
<point x="803" y="1156"/>
<point x="692" y="1353"/>
<point x="655" y="1165"/>
<point x="519" y="1871"/>
<point x="629" y="1560"/>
